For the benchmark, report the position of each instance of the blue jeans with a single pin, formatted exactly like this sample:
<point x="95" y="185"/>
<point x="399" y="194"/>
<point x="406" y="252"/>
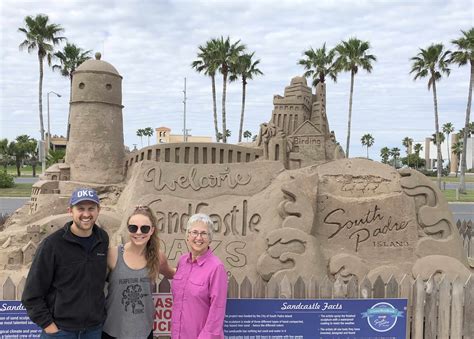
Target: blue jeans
<point x="90" y="333"/>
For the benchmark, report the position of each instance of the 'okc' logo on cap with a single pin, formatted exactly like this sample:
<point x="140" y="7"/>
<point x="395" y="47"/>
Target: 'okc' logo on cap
<point x="382" y="317"/>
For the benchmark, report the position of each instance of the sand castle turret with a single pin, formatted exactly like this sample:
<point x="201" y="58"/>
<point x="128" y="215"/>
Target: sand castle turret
<point x="95" y="150"/>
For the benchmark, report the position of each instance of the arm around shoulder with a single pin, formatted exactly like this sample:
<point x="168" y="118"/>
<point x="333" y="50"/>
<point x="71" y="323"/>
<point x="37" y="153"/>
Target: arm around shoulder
<point x="165" y="268"/>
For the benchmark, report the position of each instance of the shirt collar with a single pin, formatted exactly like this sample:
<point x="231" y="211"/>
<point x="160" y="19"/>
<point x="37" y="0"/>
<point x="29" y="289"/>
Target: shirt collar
<point x="202" y="258"/>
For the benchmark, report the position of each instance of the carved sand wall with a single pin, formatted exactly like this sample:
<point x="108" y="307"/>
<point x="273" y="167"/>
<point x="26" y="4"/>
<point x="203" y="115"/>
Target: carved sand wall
<point x="288" y="204"/>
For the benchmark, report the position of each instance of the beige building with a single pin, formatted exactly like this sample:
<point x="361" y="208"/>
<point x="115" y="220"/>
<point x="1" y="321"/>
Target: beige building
<point x="164" y="136"/>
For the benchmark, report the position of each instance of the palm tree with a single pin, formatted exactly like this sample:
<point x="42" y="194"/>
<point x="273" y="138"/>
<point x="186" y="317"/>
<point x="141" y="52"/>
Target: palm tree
<point x="417" y="148"/>
<point x="395" y="153"/>
<point x="41" y="35"/>
<point x="148" y="132"/>
<point x="457" y="148"/>
<point x="141" y="134"/>
<point x="352" y="55"/>
<point x="463" y="55"/>
<point x="318" y="64"/>
<point x="432" y="63"/>
<point x="448" y="128"/>
<point x="223" y="55"/>
<point x="247" y="135"/>
<point x="205" y="63"/>
<point x="441" y="138"/>
<point x="55" y="156"/>
<point x="70" y="58"/>
<point x="407" y="142"/>
<point x="245" y="68"/>
<point x="385" y="154"/>
<point x="368" y="141"/>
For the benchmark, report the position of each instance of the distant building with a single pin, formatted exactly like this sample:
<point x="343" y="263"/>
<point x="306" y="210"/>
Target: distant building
<point x="164" y="136"/>
<point x="430" y="152"/>
<point x="57" y="143"/>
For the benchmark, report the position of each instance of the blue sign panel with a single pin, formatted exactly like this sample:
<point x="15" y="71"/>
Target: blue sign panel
<point x="14" y="323"/>
<point x="303" y="318"/>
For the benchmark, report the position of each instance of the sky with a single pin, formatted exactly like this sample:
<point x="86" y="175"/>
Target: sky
<point x="152" y="45"/>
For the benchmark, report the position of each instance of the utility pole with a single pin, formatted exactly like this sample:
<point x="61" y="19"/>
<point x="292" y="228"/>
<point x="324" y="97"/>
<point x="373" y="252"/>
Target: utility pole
<point x="185" y="132"/>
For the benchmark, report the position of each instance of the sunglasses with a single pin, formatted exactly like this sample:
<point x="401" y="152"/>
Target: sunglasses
<point x="143" y="228"/>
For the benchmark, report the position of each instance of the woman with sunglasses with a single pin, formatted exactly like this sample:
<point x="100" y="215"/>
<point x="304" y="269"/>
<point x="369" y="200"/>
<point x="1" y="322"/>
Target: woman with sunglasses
<point x="133" y="268"/>
<point x="199" y="286"/>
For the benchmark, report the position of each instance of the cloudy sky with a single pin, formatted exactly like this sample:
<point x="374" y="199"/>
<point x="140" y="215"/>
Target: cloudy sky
<point x="152" y="44"/>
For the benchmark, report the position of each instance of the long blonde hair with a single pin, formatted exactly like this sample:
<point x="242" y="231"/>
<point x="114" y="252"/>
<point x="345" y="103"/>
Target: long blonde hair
<point x="152" y="249"/>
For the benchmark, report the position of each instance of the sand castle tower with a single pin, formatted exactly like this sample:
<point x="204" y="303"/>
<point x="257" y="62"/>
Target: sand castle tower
<point x="95" y="150"/>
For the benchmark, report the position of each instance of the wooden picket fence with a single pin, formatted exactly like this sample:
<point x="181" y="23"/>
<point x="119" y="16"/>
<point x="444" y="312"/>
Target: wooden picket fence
<point x="466" y="232"/>
<point x="437" y="308"/>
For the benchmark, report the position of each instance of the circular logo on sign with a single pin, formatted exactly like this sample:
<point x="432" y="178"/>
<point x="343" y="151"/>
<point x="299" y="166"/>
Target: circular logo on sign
<point x="382" y="317"/>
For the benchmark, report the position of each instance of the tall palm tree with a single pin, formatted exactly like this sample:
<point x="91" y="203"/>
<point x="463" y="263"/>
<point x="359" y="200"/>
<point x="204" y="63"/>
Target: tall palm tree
<point x="463" y="55"/>
<point x="41" y="35"/>
<point x="70" y="58"/>
<point x="318" y="64"/>
<point x="224" y="54"/>
<point x="395" y="153"/>
<point x="448" y="128"/>
<point x="148" y="132"/>
<point x="367" y="140"/>
<point x="432" y="62"/>
<point x="350" y="56"/>
<point x="417" y="148"/>
<point x="141" y="134"/>
<point x="245" y="68"/>
<point x="385" y="154"/>
<point x="247" y="135"/>
<point x="457" y="148"/>
<point x="407" y="142"/>
<point x="205" y="63"/>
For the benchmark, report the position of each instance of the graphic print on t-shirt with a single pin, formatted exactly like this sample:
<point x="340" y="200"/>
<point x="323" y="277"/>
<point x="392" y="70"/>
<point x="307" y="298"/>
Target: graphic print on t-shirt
<point x="132" y="295"/>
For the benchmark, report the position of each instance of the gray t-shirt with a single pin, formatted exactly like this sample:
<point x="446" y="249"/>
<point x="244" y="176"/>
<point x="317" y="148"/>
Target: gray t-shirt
<point x="129" y="302"/>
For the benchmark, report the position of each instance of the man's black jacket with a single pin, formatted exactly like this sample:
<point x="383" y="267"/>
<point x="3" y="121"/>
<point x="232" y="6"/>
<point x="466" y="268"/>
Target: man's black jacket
<point x="65" y="284"/>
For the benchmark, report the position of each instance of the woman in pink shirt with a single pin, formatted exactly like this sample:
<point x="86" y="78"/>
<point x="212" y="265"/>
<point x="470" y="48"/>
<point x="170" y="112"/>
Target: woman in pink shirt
<point x="199" y="286"/>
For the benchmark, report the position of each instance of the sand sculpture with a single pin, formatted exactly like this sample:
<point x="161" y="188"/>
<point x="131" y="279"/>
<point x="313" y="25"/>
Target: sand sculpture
<point x="287" y="204"/>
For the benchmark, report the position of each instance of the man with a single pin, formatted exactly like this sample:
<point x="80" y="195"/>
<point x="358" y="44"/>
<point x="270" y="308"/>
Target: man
<point x="64" y="291"/>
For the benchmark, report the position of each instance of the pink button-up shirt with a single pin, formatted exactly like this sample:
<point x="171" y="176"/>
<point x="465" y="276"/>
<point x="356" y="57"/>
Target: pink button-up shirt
<point x="199" y="297"/>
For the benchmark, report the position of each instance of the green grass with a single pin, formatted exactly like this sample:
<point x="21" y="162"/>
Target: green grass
<point x="26" y="171"/>
<point x="468" y="178"/>
<point x="20" y="190"/>
<point x="450" y="195"/>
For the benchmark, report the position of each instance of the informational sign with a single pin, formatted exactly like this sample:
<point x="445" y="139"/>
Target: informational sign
<point x="15" y="323"/>
<point x="303" y="318"/>
<point x="162" y="319"/>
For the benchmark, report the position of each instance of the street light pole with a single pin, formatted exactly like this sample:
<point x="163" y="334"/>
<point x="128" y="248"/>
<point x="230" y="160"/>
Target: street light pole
<point x="43" y="160"/>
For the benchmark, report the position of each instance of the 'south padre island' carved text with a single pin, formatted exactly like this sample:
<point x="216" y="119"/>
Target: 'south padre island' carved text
<point x="367" y="228"/>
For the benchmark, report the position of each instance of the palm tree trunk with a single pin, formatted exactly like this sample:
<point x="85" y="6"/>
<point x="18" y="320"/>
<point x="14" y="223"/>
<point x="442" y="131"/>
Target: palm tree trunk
<point x="350" y="115"/>
<point x="367" y="152"/>
<point x="462" y="179"/>
<point x="242" y="111"/>
<point x="439" y="164"/>
<point x="449" y="153"/>
<point x="214" y="106"/>
<point x="224" y="88"/>
<point x="69" y="110"/>
<point x="40" y="90"/>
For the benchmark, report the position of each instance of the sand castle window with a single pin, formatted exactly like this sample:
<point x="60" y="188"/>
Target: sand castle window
<point x="82" y="85"/>
<point x="108" y="86"/>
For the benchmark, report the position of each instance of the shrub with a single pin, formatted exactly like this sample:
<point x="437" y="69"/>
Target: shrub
<point x="6" y="180"/>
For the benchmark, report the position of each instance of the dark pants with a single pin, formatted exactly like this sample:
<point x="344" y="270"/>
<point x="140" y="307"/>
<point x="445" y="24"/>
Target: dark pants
<point x="92" y="333"/>
<point x="106" y="336"/>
